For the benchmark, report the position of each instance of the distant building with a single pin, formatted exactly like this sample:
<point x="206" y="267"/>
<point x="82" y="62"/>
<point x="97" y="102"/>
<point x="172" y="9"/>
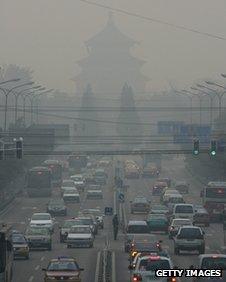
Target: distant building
<point x="109" y="63"/>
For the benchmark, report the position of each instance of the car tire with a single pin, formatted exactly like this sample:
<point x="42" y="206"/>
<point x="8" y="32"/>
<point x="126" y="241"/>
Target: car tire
<point x="176" y="251"/>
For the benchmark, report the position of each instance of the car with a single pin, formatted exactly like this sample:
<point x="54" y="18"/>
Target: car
<point x="201" y="216"/>
<point x="42" y="220"/>
<point x="167" y="193"/>
<point x="211" y="261"/>
<point x="189" y="238"/>
<point x="158" y="188"/>
<point x="159" y="209"/>
<point x="79" y="181"/>
<point x="150" y="170"/>
<point x="65" y="227"/>
<point x="132" y="172"/>
<point x="174" y="199"/>
<point x="134" y="227"/>
<point x="80" y="236"/>
<point x="71" y="195"/>
<point x="20" y="246"/>
<point x="100" y="176"/>
<point x="38" y="237"/>
<point x="158" y="222"/>
<point x="165" y="179"/>
<point x="94" y="194"/>
<point x="93" y="187"/>
<point x="90" y="221"/>
<point x="183" y="211"/>
<point x="146" y="247"/>
<point x="96" y="212"/>
<point x="140" y="205"/>
<point x="57" y="207"/>
<point x="67" y="183"/>
<point x="176" y="224"/>
<point x="62" y="269"/>
<point x="182" y="187"/>
<point x="145" y="268"/>
<point x="132" y="239"/>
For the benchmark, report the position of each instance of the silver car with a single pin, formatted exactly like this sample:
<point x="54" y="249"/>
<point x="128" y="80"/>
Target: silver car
<point x="80" y="236"/>
<point x="39" y="237"/>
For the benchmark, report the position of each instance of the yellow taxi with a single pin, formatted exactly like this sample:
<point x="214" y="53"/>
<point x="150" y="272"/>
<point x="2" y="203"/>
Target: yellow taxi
<point x="63" y="269"/>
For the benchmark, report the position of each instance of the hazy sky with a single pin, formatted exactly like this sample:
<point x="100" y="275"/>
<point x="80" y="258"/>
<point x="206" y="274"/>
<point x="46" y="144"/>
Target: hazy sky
<point x="49" y="35"/>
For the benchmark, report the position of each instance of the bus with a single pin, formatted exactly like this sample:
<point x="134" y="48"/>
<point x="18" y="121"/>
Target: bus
<point x="76" y="163"/>
<point x="214" y="199"/>
<point x="6" y="253"/>
<point x="39" y="182"/>
<point x="56" y="171"/>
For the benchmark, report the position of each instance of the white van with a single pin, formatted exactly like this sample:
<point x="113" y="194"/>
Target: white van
<point x="184" y="211"/>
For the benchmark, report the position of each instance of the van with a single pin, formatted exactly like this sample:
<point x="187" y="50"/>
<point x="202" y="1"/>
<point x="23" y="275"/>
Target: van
<point x="184" y="211"/>
<point x="201" y="216"/>
<point x="174" y="199"/>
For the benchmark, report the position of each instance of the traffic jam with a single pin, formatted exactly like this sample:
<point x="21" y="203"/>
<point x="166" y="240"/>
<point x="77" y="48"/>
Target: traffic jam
<point x="160" y="221"/>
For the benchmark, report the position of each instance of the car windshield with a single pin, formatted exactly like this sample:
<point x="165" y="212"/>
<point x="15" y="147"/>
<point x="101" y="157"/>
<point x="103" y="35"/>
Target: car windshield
<point x="190" y="233"/>
<point x="137" y="229"/>
<point x="56" y="203"/>
<point x="86" y="221"/>
<point x="153" y="264"/>
<point x="68" y="183"/>
<point x="92" y="211"/>
<point x="40" y="217"/>
<point x="80" y="229"/>
<point x="184" y="209"/>
<point x="77" y="178"/>
<point x="180" y="222"/>
<point x="18" y="239"/>
<point x="62" y="266"/>
<point x="37" y="231"/>
<point x="155" y="208"/>
<point x="70" y="223"/>
<point x="214" y="263"/>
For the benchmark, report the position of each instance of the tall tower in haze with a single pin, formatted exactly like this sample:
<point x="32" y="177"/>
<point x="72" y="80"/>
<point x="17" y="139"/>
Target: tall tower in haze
<point x="109" y="63"/>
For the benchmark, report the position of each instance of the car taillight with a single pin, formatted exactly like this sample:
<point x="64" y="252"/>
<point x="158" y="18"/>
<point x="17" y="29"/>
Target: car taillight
<point x="137" y="277"/>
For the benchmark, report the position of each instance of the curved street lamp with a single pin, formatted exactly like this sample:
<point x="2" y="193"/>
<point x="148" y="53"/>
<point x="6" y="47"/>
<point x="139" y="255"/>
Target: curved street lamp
<point x="6" y="93"/>
<point x="10" y="80"/>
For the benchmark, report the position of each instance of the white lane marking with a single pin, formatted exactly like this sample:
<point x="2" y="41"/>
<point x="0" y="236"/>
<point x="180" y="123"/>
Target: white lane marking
<point x="42" y="258"/>
<point x="37" y="267"/>
<point x="31" y="279"/>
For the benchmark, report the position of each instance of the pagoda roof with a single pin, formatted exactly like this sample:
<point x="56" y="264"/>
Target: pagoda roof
<point x="110" y="33"/>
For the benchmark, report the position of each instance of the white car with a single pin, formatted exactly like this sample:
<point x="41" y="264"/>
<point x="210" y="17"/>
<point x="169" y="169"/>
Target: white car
<point x="79" y="181"/>
<point x="71" y="195"/>
<point x="66" y="184"/>
<point x="146" y="266"/>
<point x="42" y="220"/>
<point x="176" y="224"/>
<point x="80" y="236"/>
<point x="94" y="194"/>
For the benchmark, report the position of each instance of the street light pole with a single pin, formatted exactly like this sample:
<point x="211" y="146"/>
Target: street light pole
<point x="190" y="97"/>
<point x="6" y="93"/>
<point x="10" y="80"/>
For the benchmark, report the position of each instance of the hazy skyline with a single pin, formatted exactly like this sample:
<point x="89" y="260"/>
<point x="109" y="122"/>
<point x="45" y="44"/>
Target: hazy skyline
<point x="49" y="36"/>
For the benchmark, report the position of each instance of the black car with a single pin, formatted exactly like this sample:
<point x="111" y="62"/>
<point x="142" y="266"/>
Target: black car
<point x="57" y="207"/>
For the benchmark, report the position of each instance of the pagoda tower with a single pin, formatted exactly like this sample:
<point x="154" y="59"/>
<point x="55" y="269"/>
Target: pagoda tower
<point x="109" y="63"/>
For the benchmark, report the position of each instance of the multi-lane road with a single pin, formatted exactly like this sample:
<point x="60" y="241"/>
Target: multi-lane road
<point x="22" y="208"/>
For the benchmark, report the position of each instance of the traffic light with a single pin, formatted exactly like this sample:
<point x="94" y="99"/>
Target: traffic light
<point x="196" y="147"/>
<point x="19" y="148"/>
<point x="213" y="147"/>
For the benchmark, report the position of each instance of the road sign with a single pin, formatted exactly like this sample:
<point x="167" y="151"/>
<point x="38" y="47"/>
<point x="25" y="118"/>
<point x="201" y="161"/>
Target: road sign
<point x="108" y="211"/>
<point x="121" y="197"/>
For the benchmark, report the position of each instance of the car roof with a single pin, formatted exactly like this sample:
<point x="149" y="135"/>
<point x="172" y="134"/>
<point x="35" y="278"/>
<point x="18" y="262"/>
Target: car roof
<point x="160" y="257"/>
<point x="137" y="222"/>
<point x="211" y="255"/>
<point x="41" y="213"/>
<point x="181" y="182"/>
<point x="184" y="205"/>
<point x="82" y="225"/>
<point x="190" y="227"/>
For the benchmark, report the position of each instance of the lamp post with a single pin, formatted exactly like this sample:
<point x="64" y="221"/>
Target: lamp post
<point x="6" y="93"/>
<point x="10" y="80"/>
<point x="17" y="94"/>
<point x="190" y="97"/>
<point x="37" y="96"/>
<point x="219" y="95"/>
<point x="29" y="95"/>
<point x="211" y="101"/>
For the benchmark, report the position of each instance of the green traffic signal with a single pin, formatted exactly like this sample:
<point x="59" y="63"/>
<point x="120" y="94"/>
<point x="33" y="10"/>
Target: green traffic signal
<point x="213" y="148"/>
<point x="196" y="147"/>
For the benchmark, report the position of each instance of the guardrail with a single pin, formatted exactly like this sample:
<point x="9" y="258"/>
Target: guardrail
<point x="105" y="267"/>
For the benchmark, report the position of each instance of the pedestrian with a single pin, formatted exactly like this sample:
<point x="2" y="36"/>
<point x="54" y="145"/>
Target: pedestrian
<point x="115" y="223"/>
